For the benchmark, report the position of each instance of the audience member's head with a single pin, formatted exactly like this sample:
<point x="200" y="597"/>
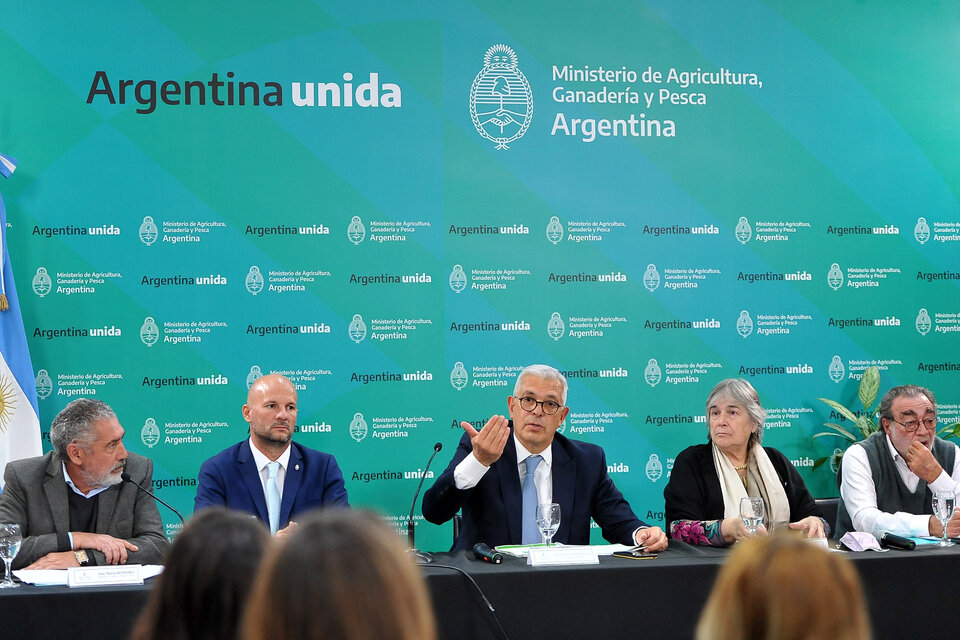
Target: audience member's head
<point x="340" y="575"/>
<point x="204" y="587"/>
<point x="784" y="588"/>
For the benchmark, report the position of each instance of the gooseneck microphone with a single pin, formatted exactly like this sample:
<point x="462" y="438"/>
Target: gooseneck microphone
<point x="410" y="523"/>
<point x="482" y="551"/>
<point x="126" y="478"/>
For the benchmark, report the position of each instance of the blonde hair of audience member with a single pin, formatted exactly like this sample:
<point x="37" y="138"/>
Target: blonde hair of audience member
<point x="340" y="575"/>
<point x="204" y="587"/>
<point x="784" y="588"/>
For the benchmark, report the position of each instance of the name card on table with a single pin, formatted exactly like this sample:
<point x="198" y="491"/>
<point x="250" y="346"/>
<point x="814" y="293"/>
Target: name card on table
<point x="556" y="556"/>
<point x="101" y="576"/>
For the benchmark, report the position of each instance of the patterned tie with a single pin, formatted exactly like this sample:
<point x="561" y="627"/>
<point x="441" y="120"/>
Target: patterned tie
<point x="531" y="534"/>
<point x="273" y="497"/>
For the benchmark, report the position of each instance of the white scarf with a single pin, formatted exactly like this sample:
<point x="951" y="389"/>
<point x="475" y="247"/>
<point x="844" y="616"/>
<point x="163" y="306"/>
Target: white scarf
<point x="762" y="482"/>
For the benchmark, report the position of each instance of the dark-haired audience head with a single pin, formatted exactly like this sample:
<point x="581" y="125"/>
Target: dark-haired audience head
<point x="204" y="587"/>
<point x="340" y="575"/>
<point x="781" y="587"/>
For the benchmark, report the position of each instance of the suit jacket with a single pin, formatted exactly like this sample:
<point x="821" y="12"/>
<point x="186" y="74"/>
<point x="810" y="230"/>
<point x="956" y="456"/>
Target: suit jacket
<point x="231" y="479"/>
<point x="35" y="496"/>
<point x="492" y="509"/>
<point x="693" y="492"/>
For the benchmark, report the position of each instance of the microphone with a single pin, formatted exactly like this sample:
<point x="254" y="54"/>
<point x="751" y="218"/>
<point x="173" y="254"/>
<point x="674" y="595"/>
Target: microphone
<point x="410" y="522"/>
<point x="899" y="542"/>
<point x="126" y="478"/>
<point x="482" y="551"/>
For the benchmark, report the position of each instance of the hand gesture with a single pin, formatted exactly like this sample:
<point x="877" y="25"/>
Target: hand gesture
<point x="920" y="460"/>
<point x="488" y="443"/>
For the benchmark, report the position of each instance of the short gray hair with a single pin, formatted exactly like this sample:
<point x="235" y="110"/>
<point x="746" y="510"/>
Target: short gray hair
<point x="547" y="373"/>
<point x="906" y="390"/>
<point x="75" y="424"/>
<point x="739" y="391"/>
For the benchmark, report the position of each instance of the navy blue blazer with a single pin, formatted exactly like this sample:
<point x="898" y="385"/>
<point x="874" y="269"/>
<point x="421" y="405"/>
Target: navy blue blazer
<point x="492" y="509"/>
<point x="230" y="479"/>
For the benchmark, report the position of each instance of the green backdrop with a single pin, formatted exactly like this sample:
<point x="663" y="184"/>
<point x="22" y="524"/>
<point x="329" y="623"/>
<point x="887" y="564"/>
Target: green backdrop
<point x="400" y="204"/>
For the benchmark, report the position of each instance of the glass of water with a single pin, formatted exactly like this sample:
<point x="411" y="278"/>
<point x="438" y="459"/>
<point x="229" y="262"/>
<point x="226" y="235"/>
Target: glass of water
<point x="943" y="505"/>
<point x="751" y="511"/>
<point x="10" y="540"/>
<point x="548" y="520"/>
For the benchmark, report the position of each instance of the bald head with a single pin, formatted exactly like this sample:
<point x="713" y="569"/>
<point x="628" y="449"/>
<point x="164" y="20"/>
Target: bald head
<point x="266" y="384"/>
<point x="271" y="412"/>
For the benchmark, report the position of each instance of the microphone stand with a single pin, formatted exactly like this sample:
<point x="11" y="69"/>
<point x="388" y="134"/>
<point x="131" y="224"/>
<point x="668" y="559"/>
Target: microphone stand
<point x="421" y="558"/>
<point x="126" y="477"/>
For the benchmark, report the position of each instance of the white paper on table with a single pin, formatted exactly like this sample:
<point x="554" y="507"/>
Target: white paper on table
<point x="523" y="550"/>
<point x="52" y="577"/>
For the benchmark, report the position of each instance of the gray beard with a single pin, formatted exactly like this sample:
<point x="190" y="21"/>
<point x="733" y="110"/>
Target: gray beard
<point x="106" y="480"/>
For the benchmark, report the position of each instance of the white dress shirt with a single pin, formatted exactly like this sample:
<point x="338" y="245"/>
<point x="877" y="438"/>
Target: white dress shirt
<point x="262" y="461"/>
<point x="469" y="472"/>
<point x="860" y="495"/>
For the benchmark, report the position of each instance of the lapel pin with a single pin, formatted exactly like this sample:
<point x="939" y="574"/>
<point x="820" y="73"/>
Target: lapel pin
<point x="296" y="468"/>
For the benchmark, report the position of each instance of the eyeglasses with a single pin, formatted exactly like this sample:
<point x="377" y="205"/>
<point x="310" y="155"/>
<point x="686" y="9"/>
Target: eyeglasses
<point x="529" y="404"/>
<point x="912" y="425"/>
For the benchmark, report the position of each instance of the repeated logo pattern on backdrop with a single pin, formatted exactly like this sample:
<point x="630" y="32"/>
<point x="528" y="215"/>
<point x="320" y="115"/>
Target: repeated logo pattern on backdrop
<point x="399" y="214"/>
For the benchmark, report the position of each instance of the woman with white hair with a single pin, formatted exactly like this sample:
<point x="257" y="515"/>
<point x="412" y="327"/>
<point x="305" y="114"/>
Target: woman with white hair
<point x="709" y="480"/>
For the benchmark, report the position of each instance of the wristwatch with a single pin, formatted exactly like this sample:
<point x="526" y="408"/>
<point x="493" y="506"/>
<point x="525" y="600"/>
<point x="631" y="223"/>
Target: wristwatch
<point x="82" y="558"/>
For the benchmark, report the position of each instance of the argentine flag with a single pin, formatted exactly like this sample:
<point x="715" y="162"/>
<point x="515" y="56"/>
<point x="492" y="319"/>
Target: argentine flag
<point x="19" y="418"/>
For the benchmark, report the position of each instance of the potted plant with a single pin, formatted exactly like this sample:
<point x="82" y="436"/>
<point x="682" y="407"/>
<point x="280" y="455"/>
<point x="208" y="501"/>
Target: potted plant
<point x="864" y="423"/>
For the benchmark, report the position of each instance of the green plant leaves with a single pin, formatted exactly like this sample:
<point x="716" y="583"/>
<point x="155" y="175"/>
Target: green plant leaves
<point x="869" y="387"/>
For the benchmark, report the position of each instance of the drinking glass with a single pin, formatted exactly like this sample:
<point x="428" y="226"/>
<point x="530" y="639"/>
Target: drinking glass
<point x="10" y="540"/>
<point x="751" y="511"/>
<point x="548" y="520"/>
<point x="943" y="504"/>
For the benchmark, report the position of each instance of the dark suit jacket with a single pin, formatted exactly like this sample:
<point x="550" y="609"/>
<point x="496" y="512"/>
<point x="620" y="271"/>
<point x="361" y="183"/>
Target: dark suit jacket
<point x="492" y="509"/>
<point x="693" y="492"/>
<point x="35" y="496"/>
<point x="230" y="479"/>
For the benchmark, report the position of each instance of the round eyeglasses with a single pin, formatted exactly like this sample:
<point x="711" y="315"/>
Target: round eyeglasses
<point x="530" y="404"/>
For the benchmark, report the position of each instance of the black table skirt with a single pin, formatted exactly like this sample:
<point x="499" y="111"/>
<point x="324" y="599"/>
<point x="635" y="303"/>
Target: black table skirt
<point x="619" y="598"/>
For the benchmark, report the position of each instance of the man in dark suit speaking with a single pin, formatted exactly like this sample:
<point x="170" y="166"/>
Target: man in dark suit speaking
<point x="488" y="476"/>
<point x="71" y="504"/>
<point x="269" y="475"/>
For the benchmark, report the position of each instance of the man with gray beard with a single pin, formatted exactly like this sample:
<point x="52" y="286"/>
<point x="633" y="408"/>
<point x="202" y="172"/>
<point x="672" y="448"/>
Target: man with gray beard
<point x="71" y="505"/>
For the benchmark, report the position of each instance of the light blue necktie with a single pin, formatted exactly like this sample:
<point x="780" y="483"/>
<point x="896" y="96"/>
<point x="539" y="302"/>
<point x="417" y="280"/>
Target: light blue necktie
<point x="531" y="534"/>
<point x="273" y="497"/>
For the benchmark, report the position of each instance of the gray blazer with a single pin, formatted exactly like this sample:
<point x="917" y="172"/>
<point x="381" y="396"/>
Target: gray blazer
<point x="35" y="496"/>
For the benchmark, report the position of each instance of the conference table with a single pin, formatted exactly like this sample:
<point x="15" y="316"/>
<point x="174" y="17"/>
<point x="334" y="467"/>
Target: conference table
<point x="618" y="598"/>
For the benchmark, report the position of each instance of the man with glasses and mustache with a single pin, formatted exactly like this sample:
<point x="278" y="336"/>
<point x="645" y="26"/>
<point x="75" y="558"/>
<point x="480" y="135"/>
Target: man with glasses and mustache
<point x="71" y="505"/>
<point x="489" y="475"/>
<point x="888" y="480"/>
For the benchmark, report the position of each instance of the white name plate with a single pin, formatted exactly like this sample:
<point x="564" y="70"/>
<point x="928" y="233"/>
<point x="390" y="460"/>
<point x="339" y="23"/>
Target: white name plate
<point x="100" y="576"/>
<point x="555" y="556"/>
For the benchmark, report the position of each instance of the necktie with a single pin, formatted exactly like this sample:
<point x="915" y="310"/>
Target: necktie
<point x="531" y="535"/>
<point x="273" y="497"/>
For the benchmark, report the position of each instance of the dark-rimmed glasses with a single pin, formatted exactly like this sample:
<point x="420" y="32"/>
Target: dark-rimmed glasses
<point x="912" y="425"/>
<point x="530" y="404"/>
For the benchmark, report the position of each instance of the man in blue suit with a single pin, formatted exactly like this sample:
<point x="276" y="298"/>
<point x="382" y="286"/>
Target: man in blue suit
<point x="269" y="475"/>
<point x="487" y="476"/>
